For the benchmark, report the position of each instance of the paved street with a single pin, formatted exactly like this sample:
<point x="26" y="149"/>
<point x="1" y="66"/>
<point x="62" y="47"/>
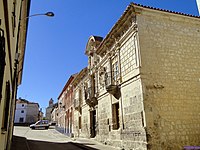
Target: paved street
<point x="50" y="140"/>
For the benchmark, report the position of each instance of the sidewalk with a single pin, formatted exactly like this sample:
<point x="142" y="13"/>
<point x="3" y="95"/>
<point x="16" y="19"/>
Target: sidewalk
<point x="93" y="144"/>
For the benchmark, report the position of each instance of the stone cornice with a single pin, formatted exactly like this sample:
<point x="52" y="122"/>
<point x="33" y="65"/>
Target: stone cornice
<point x="80" y="76"/>
<point x="119" y="29"/>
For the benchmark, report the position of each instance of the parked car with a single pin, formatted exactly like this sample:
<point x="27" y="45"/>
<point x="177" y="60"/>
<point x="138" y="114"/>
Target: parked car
<point x="41" y="124"/>
<point x="52" y="123"/>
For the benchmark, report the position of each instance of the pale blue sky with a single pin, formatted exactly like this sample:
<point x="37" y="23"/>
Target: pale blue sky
<point x="55" y="46"/>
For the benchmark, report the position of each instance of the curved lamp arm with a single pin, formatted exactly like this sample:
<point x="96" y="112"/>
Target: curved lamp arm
<point x="49" y="14"/>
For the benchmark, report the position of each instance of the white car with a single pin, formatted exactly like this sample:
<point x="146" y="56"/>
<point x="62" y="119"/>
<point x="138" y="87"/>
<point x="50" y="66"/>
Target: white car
<point x="41" y="124"/>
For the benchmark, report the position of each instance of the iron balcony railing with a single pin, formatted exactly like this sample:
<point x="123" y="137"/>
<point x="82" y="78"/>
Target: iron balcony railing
<point x="111" y="78"/>
<point x="90" y="98"/>
<point x="112" y="85"/>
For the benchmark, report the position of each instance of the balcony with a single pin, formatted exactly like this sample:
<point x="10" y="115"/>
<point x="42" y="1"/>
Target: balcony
<point x="111" y="83"/>
<point x="90" y="98"/>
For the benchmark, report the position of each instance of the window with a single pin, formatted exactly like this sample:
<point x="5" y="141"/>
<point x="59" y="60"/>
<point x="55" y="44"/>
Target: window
<point x="21" y="120"/>
<point x="128" y="56"/>
<point x="22" y="111"/>
<point x="115" y="71"/>
<point x="22" y="105"/>
<point x="6" y="107"/>
<point x="2" y="59"/>
<point x="115" y="115"/>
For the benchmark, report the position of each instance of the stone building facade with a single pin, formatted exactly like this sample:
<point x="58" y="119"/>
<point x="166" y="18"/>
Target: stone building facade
<point x="54" y="114"/>
<point x="141" y="86"/>
<point x="26" y="112"/>
<point x="80" y="122"/>
<point x="169" y="49"/>
<point x="13" y="31"/>
<point x="66" y="108"/>
<point x="49" y="110"/>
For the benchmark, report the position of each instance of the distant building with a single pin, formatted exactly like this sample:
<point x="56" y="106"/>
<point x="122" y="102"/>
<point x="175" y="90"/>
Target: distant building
<point x="49" y="109"/>
<point x="65" y="108"/>
<point x="54" y="114"/>
<point x="26" y="112"/>
<point x="41" y="114"/>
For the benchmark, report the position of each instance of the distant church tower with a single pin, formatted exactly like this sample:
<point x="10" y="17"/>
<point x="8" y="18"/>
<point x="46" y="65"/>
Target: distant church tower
<point x="198" y="5"/>
<point x="49" y="109"/>
<point x="51" y="102"/>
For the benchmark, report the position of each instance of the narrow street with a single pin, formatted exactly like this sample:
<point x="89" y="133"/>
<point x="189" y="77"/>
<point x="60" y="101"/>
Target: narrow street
<point x="52" y="140"/>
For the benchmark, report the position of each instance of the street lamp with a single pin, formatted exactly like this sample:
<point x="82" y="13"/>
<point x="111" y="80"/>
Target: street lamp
<point x="48" y="14"/>
<point x="25" y="19"/>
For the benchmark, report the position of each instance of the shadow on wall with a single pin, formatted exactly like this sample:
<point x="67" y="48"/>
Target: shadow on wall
<point x="20" y="143"/>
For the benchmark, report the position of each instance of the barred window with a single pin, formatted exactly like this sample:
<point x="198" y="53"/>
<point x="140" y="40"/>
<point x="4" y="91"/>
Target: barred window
<point x="115" y="68"/>
<point x="128" y="56"/>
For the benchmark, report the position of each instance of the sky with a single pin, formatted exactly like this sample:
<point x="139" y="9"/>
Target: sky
<point x="55" y="46"/>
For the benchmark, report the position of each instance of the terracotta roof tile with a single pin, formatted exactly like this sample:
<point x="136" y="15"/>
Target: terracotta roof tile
<point x="165" y="10"/>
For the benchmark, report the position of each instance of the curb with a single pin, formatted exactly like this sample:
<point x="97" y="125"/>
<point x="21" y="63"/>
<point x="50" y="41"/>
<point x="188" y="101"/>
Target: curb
<point x="28" y="148"/>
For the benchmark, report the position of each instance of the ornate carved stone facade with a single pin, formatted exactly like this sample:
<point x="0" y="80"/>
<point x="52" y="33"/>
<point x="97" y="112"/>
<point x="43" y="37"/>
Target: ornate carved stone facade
<point x="141" y="84"/>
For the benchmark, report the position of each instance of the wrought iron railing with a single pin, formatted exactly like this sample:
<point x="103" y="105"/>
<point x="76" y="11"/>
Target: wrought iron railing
<point x="111" y="78"/>
<point x="90" y="97"/>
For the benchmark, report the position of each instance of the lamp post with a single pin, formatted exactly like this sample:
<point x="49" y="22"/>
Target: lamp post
<point x="17" y="54"/>
<point x="48" y="14"/>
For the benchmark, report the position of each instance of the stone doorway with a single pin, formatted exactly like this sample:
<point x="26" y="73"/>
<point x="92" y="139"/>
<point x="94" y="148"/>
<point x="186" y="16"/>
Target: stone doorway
<point x="92" y="123"/>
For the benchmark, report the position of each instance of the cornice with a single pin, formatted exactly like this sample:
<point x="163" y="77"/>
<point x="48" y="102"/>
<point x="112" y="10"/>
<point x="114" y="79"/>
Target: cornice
<point x="119" y="29"/>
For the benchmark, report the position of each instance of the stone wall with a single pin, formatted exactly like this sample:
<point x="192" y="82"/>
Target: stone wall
<point x="133" y="134"/>
<point x="104" y="118"/>
<point x="75" y="124"/>
<point x="170" y="55"/>
<point x="85" y="130"/>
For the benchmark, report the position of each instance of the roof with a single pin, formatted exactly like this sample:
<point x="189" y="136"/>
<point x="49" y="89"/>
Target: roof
<point x="23" y="24"/>
<point x="93" y="39"/>
<point x="67" y="84"/>
<point x="131" y="7"/>
<point x="165" y="10"/>
<point x="98" y="38"/>
<point x="80" y="75"/>
<point x="20" y="100"/>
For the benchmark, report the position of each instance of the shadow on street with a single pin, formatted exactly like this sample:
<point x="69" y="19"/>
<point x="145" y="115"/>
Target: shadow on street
<point x="21" y="143"/>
